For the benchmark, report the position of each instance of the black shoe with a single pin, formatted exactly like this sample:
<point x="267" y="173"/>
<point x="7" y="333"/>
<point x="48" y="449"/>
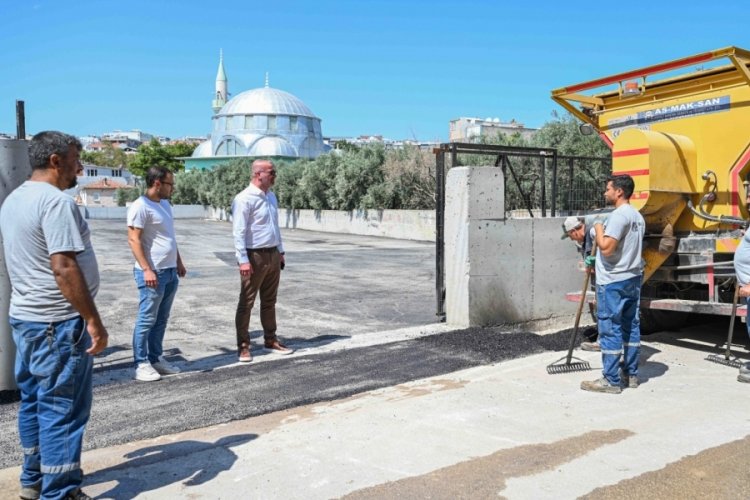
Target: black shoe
<point x="590" y="334"/>
<point x="77" y="495"/>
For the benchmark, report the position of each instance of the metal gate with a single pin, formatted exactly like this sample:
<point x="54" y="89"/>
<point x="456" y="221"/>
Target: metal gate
<point x="537" y="181"/>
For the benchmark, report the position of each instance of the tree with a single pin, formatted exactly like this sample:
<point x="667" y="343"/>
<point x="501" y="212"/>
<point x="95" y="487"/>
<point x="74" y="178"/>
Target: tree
<point x="191" y="188"/>
<point x="125" y="195"/>
<point x="155" y="154"/>
<point x="563" y="134"/>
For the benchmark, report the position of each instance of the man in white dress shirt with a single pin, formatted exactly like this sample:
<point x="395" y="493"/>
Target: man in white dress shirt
<point x="260" y="256"/>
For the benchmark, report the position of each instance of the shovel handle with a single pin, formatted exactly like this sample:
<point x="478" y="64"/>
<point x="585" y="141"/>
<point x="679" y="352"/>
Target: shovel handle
<point x="573" y="336"/>
<point x="730" y="334"/>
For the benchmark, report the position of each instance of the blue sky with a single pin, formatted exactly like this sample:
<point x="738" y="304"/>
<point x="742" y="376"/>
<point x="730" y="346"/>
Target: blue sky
<point x="402" y="69"/>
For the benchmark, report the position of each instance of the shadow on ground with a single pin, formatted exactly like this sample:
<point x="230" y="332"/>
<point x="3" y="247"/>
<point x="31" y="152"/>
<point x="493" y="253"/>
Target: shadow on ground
<point x="189" y="462"/>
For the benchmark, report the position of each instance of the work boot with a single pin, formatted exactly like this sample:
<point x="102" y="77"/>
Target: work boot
<point x="77" y="495"/>
<point x="590" y="346"/>
<point x="602" y="385"/>
<point x="590" y="334"/>
<point x="32" y="492"/>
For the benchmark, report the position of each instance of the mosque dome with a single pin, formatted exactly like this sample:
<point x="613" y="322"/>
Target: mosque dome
<point x="266" y="101"/>
<point x="203" y="150"/>
<point x="272" y="146"/>
<point x="261" y="122"/>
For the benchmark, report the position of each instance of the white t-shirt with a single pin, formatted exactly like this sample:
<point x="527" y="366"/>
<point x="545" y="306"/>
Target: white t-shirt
<point x="626" y="225"/>
<point x="38" y="220"/>
<point x="158" y="236"/>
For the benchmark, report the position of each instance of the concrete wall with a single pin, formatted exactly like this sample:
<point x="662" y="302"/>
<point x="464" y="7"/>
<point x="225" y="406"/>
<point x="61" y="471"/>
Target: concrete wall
<point x="14" y="170"/>
<point x="401" y="224"/>
<point x="180" y="212"/>
<point x="499" y="270"/>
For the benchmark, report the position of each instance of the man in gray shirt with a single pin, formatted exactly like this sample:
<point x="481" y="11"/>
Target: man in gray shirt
<point x="56" y="326"/>
<point x="619" y="269"/>
<point x="742" y="270"/>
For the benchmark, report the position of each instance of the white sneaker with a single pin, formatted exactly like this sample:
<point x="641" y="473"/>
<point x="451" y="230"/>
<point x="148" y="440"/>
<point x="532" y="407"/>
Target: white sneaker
<point x="146" y="373"/>
<point x="164" y="367"/>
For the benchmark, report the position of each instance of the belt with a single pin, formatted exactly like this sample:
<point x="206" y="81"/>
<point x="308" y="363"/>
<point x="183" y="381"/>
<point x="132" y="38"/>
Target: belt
<point x="267" y="250"/>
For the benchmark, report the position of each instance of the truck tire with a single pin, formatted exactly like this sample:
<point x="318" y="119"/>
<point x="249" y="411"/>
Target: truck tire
<point x="655" y="320"/>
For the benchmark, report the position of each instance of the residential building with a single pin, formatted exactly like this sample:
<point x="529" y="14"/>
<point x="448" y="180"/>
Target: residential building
<point x="470" y="129"/>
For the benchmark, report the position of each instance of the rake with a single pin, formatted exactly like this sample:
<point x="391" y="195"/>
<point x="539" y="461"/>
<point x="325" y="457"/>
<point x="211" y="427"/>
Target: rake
<point x="580" y="365"/>
<point x="726" y="359"/>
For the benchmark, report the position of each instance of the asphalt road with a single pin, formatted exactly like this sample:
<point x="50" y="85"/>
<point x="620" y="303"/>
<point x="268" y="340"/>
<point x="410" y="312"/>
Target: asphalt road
<point x="334" y="286"/>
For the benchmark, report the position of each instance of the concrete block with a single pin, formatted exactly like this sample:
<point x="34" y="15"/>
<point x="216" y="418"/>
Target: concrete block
<point x="456" y="247"/>
<point x="486" y="192"/>
<point x="502" y="271"/>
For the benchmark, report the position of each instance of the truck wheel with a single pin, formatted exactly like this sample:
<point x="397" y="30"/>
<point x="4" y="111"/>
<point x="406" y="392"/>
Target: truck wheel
<point x="655" y="320"/>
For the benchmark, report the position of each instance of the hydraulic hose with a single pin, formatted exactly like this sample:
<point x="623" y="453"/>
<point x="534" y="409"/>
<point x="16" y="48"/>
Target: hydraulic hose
<point x="721" y="219"/>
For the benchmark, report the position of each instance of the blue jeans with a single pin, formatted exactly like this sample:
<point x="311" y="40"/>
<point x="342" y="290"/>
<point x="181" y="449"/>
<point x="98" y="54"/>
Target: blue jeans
<point x="619" y="327"/>
<point x="153" y="314"/>
<point x="53" y="373"/>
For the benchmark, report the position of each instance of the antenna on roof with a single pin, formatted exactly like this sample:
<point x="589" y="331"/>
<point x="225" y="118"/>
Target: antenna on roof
<point x="266" y="79"/>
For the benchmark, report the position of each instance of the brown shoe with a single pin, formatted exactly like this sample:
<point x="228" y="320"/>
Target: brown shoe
<point x="277" y="347"/>
<point x="245" y="356"/>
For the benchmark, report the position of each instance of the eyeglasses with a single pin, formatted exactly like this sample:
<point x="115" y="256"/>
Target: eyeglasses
<point x="271" y="172"/>
<point x="168" y="183"/>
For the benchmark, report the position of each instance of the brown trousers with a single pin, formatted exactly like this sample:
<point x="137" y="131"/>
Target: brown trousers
<point x="265" y="279"/>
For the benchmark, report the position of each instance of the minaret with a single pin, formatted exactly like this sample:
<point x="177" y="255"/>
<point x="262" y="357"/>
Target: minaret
<point x="221" y="86"/>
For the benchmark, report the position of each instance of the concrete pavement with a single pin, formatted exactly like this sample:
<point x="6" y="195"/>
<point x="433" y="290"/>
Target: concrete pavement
<point x="504" y="429"/>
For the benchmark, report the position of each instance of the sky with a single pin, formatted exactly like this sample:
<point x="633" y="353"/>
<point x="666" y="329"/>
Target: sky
<point x="397" y="68"/>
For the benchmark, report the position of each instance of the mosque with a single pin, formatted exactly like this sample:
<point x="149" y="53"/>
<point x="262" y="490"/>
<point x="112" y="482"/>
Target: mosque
<point x="263" y="122"/>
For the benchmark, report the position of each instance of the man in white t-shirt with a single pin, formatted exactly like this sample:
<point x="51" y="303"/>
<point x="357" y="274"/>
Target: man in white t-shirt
<point x="619" y="270"/>
<point x="157" y="270"/>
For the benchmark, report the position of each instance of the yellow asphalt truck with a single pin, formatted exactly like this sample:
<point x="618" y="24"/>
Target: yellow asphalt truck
<point x="681" y="129"/>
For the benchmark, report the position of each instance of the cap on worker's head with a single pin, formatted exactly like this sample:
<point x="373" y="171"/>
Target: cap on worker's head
<point x="569" y="224"/>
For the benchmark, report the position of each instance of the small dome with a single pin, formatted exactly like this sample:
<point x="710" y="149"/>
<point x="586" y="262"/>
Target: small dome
<point x="203" y="150"/>
<point x="272" y="146"/>
<point x="266" y="101"/>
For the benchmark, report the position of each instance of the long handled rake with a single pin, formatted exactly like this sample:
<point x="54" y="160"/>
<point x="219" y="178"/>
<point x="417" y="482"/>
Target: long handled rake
<point x="726" y="359"/>
<point x="579" y="365"/>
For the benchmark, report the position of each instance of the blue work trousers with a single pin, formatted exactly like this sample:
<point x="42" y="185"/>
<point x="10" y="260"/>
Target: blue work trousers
<point x="53" y="373"/>
<point x="153" y="314"/>
<point x="619" y="327"/>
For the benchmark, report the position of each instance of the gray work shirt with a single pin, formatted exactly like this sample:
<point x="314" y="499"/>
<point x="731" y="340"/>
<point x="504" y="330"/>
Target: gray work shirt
<point x="626" y="225"/>
<point x="742" y="260"/>
<point x="38" y="220"/>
